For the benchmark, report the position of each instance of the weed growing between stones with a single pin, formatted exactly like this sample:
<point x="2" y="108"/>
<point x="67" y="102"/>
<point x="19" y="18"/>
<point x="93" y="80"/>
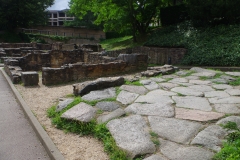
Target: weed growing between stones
<point x="99" y="111"/>
<point x="136" y="83"/>
<point x="118" y="90"/>
<point x="230" y="150"/>
<point x="70" y="96"/>
<point x="236" y="82"/>
<point x="189" y="73"/>
<point x="203" y="78"/>
<point x="98" y="131"/>
<point x="154" y="138"/>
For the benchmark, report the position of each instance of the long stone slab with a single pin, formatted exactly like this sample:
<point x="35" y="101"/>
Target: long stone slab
<point x="204" y="74"/>
<point x="81" y="112"/>
<point x="220" y="94"/>
<point x="197" y="115"/>
<point x="156" y="109"/>
<point x="187" y="91"/>
<point x="130" y="135"/>
<point x="233" y="73"/>
<point x="230" y="100"/>
<point x="233" y="92"/>
<point x="168" y="86"/>
<point x="222" y="86"/>
<point x="160" y="92"/>
<point x="176" y="130"/>
<point x="227" y="108"/>
<point x="211" y="137"/>
<point x="175" y="151"/>
<point x="192" y="102"/>
<point x="154" y="99"/>
<point x="126" y="97"/>
<point x="179" y="80"/>
<point x="134" y="89"/>
<point x="100" y="95"/>
<point x="202" y="88"/>
<point x="200" y="82"/>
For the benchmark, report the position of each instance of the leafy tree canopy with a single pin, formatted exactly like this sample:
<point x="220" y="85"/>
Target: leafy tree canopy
<point x="119" y="15"/>
<point x="22" y="13"/>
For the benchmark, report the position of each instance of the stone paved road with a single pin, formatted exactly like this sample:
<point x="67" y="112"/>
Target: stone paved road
<point x="18" y="141"/>
<point x="184" y="112"/>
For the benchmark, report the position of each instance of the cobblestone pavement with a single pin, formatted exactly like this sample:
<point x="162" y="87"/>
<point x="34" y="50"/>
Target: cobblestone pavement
<point x="182" y="111"/>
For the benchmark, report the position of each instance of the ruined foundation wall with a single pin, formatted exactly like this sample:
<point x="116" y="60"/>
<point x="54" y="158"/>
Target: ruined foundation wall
<point x="156" y="55"/>
<point x="81" y="71"/>
<point x="35" y="60"/>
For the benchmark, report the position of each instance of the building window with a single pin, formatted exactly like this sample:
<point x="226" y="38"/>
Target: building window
<point x="55" y="15"/>
<point x="61" y="14"/>
<point x="60" y="23"/>
<point x="54" y="23"/>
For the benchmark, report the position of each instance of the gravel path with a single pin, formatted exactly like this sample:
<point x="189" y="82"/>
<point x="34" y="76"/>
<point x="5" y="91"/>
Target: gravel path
<point x="72" y="146"/>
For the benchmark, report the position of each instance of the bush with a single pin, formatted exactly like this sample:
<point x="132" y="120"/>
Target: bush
<point x="211" y="46"/>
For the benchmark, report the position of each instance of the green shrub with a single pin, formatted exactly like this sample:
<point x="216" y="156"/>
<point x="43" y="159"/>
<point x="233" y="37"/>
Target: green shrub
<point x="211" y="46"/>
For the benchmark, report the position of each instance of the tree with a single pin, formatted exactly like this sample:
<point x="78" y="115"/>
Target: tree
<point x="118" y="15"/>
<point x="205" y="12"/>
<point x="23" y="13"/>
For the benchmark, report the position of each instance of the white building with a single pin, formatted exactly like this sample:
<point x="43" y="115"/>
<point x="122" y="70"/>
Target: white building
<point x="57" y="17"/>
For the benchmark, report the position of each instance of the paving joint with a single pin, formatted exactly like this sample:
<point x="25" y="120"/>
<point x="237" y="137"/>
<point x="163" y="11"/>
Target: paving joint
<point x="46" y="141"/>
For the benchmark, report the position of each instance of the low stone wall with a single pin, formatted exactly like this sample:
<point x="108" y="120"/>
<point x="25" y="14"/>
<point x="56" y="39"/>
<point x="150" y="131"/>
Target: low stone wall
<point x="34" y="61"/>
<point x="81" y="71"/>
<point x="24" y="46"/>
<point x="156" y="55"/>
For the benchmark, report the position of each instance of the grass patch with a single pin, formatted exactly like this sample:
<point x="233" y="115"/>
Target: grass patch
<point x="136" y="83"/>
<point x="236" y="82"/>
<point x="230" y="150"/>
<point x="121" y="43"/>
<point x="98" y="131"/>
<point x="99" y="111"/>
<point x="203" y="78"/>
<point x="70" y="96"/>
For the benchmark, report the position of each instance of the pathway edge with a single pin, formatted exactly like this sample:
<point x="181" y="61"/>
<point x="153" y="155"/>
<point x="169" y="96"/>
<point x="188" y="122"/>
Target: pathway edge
<point x="46" y="141"/>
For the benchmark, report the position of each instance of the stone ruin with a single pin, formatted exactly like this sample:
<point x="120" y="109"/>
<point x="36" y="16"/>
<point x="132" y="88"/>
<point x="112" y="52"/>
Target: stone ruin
<point x="22" y="60"/>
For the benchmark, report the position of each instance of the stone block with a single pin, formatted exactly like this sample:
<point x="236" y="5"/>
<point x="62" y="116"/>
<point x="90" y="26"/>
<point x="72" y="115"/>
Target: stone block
<point x="29" y="78"/>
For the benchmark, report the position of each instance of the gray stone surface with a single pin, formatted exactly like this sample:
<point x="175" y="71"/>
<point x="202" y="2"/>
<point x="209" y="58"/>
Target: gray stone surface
<point x="227" y="78"/>
<point x="211" y="137"/>
<point x="227" y="108"/>
<point x="170" y="76"/>
<point x="179" y="80"/>
<point x="196" y="115"/>
<point x="235" y="119"/>
<point x="156" y="109"/>
<point x="192" y="102"/>
<point x="219" y="81"/>
<point x="233" y="92"/>
<point x="220" y="94"/>
<point x="204" y="74"/>
<point x="126" y="97"/>
<point x="100" y="83"/>
<point x="198" y="69"/>
<point x="155" y="157"/>
<point x="81" y="112"/>
<point x="130" y="135"/>
<point x="230" y="100"/>
<point x="100" y="95"/>
<point x="192" y="77"/>
<point x="160" y="92"/>
<point x="222" y="86"/>
<point x="158" y="79"/>
<point x="202" y="88"/>
<point x="150" y="85"/>
<point x="200" y="82"/>
<point x="107" y="106"/>
<point x="233" y="73"/>
<point x="168" y="86"/>
<point x="176" y="130"/>
<point x="182" y="72"/>
<point x="63" y="104"/>
<point x="115" y="114"/>
<point x="134" y="89"/>
<point x="154" y="99"/>
<point x="187" y="91"/>
<point x="175" y="151"/>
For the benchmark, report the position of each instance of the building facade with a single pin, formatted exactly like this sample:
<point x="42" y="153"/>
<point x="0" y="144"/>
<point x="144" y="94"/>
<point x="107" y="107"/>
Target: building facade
<point x="57" y="17"/>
